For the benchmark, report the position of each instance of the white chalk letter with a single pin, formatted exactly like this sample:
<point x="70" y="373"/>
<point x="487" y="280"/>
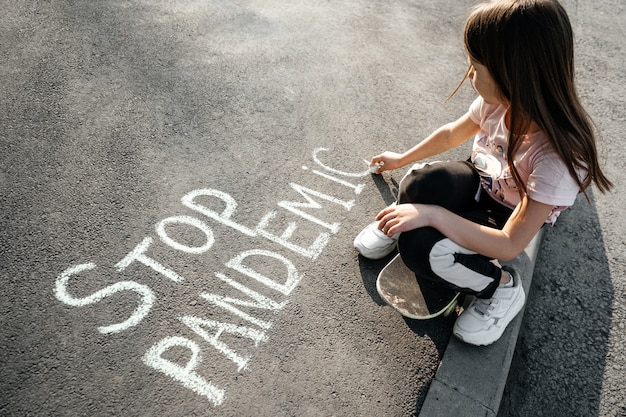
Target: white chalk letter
<point x="147" y="297"/>
<point x="293" y="206"/>
<point x="185" y="375"/>
<point x="228" y="303"/>
<point x="224" y="216"/>
<point x="312" y="252"/>
<point x="196" y="324"/>
<point x="191" y="221"/>
<point x="357" y="188"/>
<point x="293" y="278"/>
<point x="138" y="255"/>
<point x="336" y="171"/>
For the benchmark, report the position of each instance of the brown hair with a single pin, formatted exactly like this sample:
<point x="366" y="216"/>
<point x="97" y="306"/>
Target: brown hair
<point x="528" y="48"/>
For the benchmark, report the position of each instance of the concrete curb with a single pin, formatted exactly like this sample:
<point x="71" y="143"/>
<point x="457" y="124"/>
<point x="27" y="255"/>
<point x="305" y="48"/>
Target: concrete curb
<point x="470" y="380"/>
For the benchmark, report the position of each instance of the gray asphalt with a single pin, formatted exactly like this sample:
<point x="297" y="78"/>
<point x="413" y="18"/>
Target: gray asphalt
<point x="181" y="183"/>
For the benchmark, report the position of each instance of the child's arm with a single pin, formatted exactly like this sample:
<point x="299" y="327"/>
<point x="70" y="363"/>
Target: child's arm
<point x="445" y="138"/>
<point x="505" y="244"/>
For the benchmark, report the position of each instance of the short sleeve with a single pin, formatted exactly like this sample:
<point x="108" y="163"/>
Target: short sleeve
<point x="551" y="183"/>
<point x="475" y="110"/>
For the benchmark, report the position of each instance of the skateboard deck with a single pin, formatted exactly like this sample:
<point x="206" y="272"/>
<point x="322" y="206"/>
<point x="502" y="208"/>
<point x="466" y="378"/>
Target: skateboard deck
<point x="411" y="296"/>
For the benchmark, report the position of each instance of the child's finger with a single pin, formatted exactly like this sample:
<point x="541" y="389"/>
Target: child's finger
<point x="375" y="166"/>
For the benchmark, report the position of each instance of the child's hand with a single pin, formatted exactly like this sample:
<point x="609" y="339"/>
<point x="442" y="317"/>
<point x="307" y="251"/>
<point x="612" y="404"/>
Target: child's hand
<point x="386" y="161"/>
<point x="403" y="217"/>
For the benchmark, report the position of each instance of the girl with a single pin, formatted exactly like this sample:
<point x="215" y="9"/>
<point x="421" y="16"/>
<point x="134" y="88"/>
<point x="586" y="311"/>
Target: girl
<point x="533" y="152"/>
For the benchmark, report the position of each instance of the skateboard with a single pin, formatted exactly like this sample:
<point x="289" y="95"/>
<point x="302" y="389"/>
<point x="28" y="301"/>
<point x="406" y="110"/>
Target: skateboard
<point x="411" y="296"/>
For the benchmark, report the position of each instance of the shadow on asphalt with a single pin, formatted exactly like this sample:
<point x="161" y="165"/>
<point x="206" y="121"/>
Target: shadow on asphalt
<point x="559" y="362"/>
<point x="387" y="187"/>
<point x="436" y="331"/>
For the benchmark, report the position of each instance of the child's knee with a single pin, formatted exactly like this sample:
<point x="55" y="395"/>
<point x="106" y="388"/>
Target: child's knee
<point x="415" y="247"/>
<point x="462" y="268"/>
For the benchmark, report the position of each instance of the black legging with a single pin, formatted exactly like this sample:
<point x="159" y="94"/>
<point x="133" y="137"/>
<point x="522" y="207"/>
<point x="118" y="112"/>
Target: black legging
<point x="430" y="254"/>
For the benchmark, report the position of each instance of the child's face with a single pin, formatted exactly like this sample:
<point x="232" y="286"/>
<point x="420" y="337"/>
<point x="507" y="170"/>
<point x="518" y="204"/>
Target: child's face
<point x="484" y="84"/>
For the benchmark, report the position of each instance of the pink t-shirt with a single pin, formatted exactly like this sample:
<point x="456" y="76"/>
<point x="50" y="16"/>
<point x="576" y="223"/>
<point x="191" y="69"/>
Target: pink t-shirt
<point x="546" y="176"/>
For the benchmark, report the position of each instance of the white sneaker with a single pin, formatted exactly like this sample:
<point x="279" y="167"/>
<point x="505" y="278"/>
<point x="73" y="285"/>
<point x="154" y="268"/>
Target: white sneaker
<point x="484" y="321"/>
<point x="372" y="243"/>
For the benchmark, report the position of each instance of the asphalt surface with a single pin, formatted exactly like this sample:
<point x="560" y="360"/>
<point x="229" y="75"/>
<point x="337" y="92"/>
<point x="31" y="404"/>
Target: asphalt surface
<point x="181" y="183"/>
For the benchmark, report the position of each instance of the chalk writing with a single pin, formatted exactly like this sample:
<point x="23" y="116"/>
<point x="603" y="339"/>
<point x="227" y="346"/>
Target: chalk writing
<point x="209" y="333"/>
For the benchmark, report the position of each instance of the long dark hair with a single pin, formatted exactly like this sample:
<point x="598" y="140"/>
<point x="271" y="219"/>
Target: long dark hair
<point x="528" y="48"/>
